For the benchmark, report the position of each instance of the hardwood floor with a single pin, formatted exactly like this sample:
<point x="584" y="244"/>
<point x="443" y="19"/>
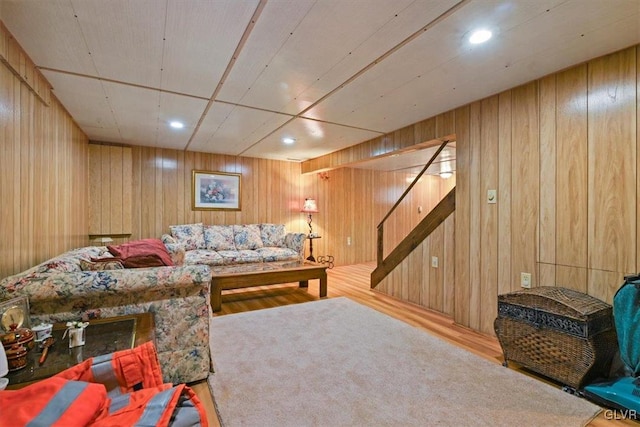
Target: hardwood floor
<point x="353" y="282"/>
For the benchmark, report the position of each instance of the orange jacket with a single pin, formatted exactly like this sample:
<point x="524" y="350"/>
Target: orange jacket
<point x="124" y="388"/>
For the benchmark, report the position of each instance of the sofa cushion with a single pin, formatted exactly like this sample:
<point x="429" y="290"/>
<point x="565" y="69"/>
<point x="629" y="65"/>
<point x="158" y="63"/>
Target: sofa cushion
<point x="247" y="237"/>
<point x="240" y="257"/>
<point x="203" y="256"/>
<point x="142" y="253"/>
<point x="219" y="237"/>
<point x="189" y="235"/>
<point x="277" y="254"/>
<point x="272" y="235"/>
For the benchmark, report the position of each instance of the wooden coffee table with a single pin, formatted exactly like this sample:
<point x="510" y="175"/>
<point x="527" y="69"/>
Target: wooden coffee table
<point x="103" y="336"/>
<point x="266" y="273"/>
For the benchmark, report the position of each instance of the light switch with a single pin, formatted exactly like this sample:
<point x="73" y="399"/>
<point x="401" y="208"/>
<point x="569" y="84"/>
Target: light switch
<point x="492" y="196"/>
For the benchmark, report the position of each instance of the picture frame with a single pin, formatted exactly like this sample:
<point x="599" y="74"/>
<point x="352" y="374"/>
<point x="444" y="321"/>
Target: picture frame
<point x="215" y="191"/>
<point x="15" y="311"/>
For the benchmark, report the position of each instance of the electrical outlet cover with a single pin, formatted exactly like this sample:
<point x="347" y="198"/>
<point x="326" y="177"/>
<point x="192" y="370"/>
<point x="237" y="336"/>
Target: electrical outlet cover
<point x="525" y="280"/>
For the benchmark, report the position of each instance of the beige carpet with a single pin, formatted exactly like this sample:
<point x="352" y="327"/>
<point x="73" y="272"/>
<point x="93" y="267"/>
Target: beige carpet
<point x="335" y="362"/>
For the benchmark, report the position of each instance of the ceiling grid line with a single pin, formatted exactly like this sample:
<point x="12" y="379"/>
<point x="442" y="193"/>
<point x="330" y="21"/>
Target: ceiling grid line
<point x="372" y="64"/>
<point x="328" y="73"/>
<point x="234" y="57"/>
<point x="164" y="47"/>
<point x="95" y="67"/>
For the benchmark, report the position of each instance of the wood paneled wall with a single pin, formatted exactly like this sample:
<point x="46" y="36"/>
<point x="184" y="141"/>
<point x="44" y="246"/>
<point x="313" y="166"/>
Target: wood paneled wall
<point x="161" y="191"/>
<point x="110" y="186"/>
<point x="352" y="202"/>
<point x="273" y="191"/>
<point x="417" y="281"/>
<point x="43" y="167"/>
<point x="562" y="151"/>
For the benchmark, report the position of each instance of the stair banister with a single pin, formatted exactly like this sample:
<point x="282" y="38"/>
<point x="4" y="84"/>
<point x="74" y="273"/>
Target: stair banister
<point x="380" y="247"/>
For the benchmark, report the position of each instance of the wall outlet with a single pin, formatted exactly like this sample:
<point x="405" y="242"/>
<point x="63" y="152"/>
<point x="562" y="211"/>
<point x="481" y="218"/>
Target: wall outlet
<point x="434" y="261"/>
<point x="525" y="280"/>
<point x="348" y="241"/>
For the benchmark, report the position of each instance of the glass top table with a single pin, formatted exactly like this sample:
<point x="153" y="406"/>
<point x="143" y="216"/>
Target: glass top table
<point x="102" y="336"/>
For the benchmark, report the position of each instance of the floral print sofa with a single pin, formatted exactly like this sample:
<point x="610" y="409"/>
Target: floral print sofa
<point x="218" y="245"/>
<point x="60" y="290"/>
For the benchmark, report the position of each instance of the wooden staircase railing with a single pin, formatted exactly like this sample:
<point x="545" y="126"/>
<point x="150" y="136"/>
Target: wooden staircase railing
<point x="385" y="266"/>
<point x="436" y="217"/>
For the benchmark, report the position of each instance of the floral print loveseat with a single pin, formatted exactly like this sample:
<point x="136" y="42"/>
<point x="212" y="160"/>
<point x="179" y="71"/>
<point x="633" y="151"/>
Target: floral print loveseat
<point x="217" y="245"/>
<point x="59" y="290"/>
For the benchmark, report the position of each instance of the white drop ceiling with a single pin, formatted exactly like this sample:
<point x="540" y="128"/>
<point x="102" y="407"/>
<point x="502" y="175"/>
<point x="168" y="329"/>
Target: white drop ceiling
<point x="243" y="74"/>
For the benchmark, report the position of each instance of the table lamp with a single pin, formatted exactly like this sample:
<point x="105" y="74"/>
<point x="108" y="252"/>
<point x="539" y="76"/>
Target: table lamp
<point x="310" y="206"/>
<point x="4" y="368"/>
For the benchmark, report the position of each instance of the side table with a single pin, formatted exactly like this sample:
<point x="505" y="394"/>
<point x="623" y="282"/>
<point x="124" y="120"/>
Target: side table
<point x="311" y="237"/>
<point x="103" y="336"/>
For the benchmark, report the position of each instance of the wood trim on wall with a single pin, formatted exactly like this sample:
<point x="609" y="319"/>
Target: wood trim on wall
<point x="18" y="62"/>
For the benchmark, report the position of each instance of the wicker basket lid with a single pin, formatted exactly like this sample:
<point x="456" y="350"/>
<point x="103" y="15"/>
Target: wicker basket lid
<point x="561" y="301"/>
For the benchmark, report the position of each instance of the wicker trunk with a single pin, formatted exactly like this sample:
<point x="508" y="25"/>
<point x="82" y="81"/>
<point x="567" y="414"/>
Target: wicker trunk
<point x="560" y="333"/>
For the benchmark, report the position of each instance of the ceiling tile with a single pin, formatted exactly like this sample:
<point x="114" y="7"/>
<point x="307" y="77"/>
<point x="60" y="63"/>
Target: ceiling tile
<point x="86" y="100"/>
<point x="447" y="72"/>
<point x="200" y="40"/>
<point x="308" y="50"/>
<point x="124" y="38"/>
<point x="381" y="27"/>
<point x="298" y="52"/>
<point x="274" y="27"/>
<point x="143" y="115"/>
<point x="49" y="32"/>
<point x="313" y="139"/>
<point x="229" y="129"/>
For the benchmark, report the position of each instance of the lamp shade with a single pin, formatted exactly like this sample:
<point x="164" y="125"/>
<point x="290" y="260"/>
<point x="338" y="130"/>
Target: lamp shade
<point x="310" y="206"/>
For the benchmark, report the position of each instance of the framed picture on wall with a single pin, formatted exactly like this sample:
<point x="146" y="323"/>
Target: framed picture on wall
<point x="215" y="191"/>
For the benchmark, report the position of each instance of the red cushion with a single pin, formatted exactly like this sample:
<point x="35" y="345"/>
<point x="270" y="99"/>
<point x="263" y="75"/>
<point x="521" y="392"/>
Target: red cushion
<point x="142" y="253"/>
<point x="141" y="261"/>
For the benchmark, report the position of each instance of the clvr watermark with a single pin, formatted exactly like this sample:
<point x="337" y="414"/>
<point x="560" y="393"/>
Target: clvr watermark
<point x="621" y="414"/>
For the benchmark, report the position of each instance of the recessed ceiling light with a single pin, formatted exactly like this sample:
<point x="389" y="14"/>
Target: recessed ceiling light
<point x="480" y="36"/>
<point x="288" y="140"/>
<point x="176" y="125"/>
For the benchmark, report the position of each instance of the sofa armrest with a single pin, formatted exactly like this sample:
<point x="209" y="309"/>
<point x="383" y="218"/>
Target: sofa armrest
<point x="176" y="252"/>
<point x="59" y="292"/>
<point x="295" y="241"/>
<point x="167" y="238"/>
<point x="178" y="297"/>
